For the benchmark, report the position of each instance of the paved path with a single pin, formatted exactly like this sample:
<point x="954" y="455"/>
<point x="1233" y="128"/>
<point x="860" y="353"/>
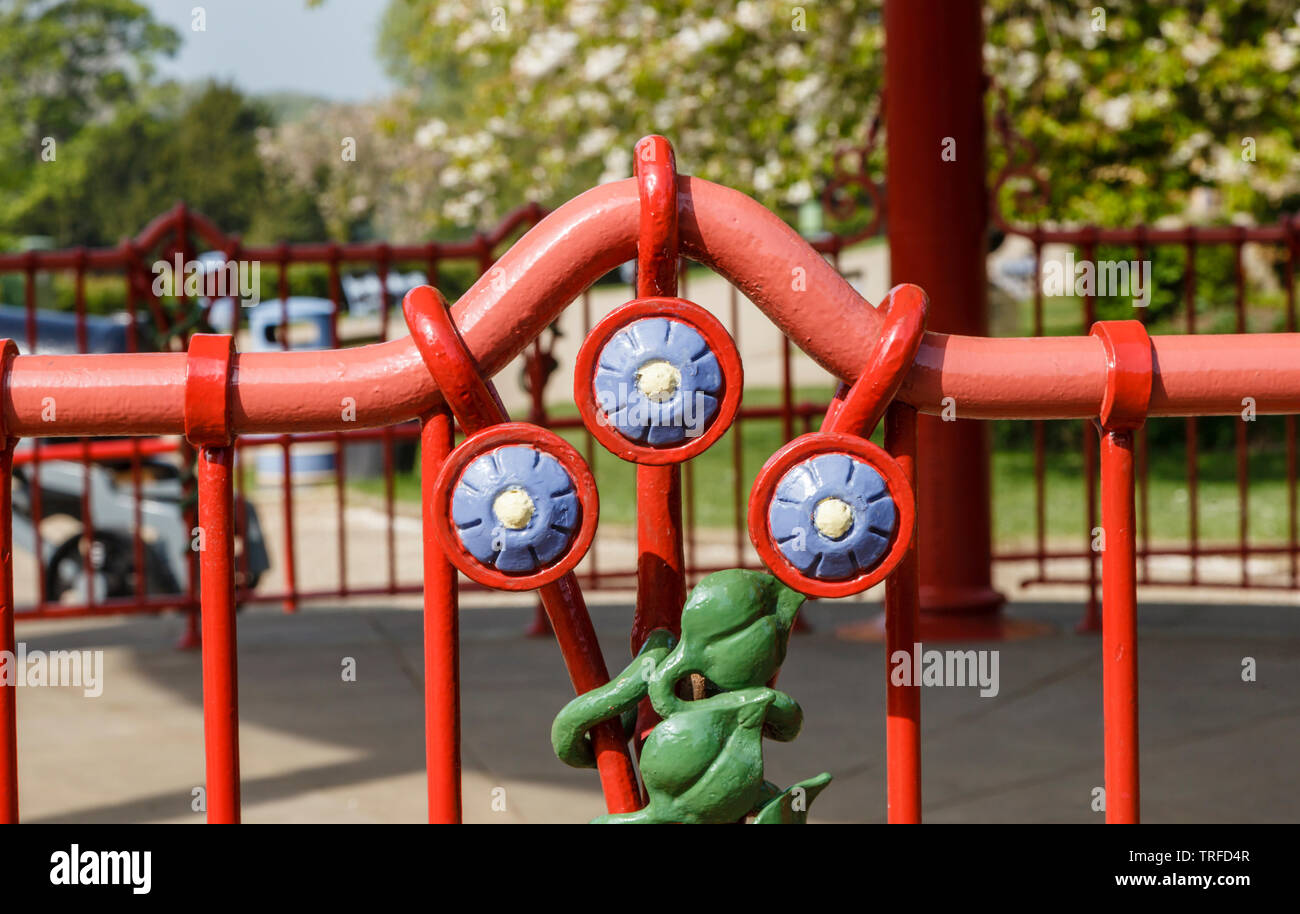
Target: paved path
<point x="317" y="749"/>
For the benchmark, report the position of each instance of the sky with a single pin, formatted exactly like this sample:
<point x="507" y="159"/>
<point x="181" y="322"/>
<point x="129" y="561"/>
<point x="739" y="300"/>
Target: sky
<point x="269" y="45"/>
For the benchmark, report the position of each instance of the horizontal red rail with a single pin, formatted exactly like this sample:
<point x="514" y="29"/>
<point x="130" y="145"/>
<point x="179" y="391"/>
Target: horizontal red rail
<point x="276" y="392"/>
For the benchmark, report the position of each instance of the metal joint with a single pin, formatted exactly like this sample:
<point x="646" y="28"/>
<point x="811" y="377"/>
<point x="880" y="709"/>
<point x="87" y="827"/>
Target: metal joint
<point x="858" y="408"/>
<point x="471" y="397"/>
<point x="1129" y="368"/>
<point x="8" y="349"/>
<point x="207" y="389"/>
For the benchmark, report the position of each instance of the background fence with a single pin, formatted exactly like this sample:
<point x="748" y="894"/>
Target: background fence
<point x="353" y="531"/>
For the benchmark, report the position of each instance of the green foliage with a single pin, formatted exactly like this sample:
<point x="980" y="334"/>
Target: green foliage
<point x="63" y="64"/>
<point x="1133" y="111"/>
<point x="201" y="147"/>
<point x="1133" y="106"/>
<point x="542" y="100"/>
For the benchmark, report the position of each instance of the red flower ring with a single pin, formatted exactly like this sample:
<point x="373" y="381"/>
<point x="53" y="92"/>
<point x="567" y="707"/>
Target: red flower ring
<point x="515" y="507"/>
<point x="849" y="504"/>
<point x="667" y="376"/>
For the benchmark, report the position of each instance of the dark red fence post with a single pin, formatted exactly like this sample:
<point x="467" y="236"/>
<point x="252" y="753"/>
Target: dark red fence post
<point x="1123" y="411"/>
<point x="441" y="638"/>
<point x="661" y="564"/>
<point x="8" y="691"/>
<point x="207" y="426"/>
<point x="938" y="237"/>
<point x="902" y="607"/>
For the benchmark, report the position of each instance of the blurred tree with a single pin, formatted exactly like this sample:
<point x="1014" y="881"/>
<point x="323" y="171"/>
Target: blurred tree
<point x="63" y="65"/>
<point x="1133" y="105"/>
<point x="1143" y="110"/>
<point x="542" y="100"/>
<point x="112" y="177"/>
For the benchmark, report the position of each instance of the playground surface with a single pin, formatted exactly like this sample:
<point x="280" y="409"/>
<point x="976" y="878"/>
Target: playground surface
<point x="317" y="748"/>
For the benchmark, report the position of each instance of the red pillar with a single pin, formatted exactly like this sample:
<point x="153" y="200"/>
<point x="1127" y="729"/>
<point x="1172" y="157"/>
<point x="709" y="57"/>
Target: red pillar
<point x="220" y="651"/>
<point x="938" y="216"/>
<point x="441" y="638"/>
<point x="1119" y="628"/>
<point x="902" y="703"/>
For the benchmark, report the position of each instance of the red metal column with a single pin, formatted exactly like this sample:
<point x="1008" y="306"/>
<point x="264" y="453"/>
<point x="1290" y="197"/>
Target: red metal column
<point x="661" y="565"/>
<point x="1123" y="411"/>
<point x="441" y="640"/>
<point x="661" y="560"/>
<point x="902" y="703"/>
<point x="207" y="426"/>
<point x="290" y="568"/>
<point x="938" y="215"/>
<point x="8" y="692"/>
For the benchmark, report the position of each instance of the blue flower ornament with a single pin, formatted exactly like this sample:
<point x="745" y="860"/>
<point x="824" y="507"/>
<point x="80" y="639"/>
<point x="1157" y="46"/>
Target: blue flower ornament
<point x="832" y="517"/>
<point x="515" y="509"/>
<point x="658" y="382"/>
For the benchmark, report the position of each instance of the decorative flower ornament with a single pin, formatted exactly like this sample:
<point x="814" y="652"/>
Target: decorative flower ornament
<point x="832" y="517"/>
<point x="515" y="508"/>
<point x="658" y="382"/>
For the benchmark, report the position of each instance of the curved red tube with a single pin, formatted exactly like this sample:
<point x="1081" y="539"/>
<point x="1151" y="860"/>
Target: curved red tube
<point x="1058" y="377"/>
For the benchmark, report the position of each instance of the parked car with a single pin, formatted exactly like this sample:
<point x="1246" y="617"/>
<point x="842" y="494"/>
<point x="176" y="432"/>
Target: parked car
<point x="110" y="487"/>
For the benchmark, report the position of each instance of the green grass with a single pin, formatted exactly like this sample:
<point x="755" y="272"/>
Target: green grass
<point x="1168" y="499"/>
<point x="713" y="480"/>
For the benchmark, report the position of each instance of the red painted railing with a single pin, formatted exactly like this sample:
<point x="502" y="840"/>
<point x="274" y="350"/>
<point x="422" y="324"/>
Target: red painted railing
<point x="181" y="231"/>
<point x="1117" y="376"/>
<point x="1282" y="241"/>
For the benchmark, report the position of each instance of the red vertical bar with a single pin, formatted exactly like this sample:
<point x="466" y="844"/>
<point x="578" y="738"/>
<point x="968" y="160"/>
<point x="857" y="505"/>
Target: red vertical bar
<point x="1092" y="619"/>
<point x="1243" y="456"/>
<point x="787" y="391"/>
<point x="689" y="563"/>
<point x="1119" y="628"/>
<point x="589" y="445"/>
<point x="441" y="639"/>
<point x="38" y="549"/>
<point x="1040" y="429"/>
<point x="390" y="469"/>
<point x="660" y="580"/>
<point x="1192" y="445"/>
<point x="241" y="514"/>
<point x="938" y="239"/>
<point x="8" y="692"/>
<point x="1143" y="451"/>
<point x="286" y="442"/>
<point x="738" y="447"/>
<point x="220" y="678"/>
<point x="661" y="587"/>
<point x="688" y="518"/>
<point x="137" y="478"/>
<point x="87" y="517"/>
<point x="340" y="450"/>
<point x="567" y="611"/>
<point x="902" y="608"/>
<point x="382" y="270"/>
<point x="1293" y="547"/>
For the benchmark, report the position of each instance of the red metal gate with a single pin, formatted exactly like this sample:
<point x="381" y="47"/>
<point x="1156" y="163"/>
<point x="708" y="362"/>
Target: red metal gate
<point x="1116" y="376"/>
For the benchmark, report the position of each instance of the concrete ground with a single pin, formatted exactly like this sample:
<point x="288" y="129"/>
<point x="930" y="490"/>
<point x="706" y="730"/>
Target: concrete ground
<point x="318" y="749"/>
